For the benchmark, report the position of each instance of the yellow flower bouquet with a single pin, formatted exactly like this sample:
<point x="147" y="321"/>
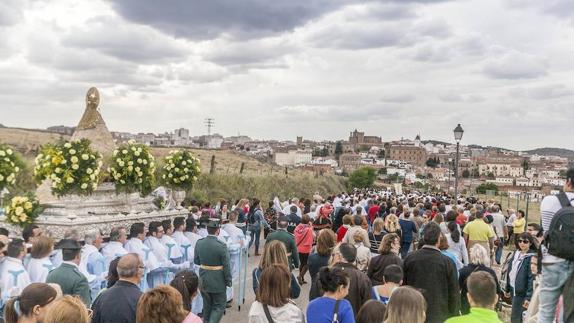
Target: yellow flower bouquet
<point x="22" y="210"/>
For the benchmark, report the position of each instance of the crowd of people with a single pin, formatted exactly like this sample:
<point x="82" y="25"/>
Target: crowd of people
<point x="367" y="255"/>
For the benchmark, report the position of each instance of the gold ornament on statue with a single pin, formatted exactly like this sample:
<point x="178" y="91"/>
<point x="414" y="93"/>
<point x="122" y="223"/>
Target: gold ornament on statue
<point x="91" y="117"/>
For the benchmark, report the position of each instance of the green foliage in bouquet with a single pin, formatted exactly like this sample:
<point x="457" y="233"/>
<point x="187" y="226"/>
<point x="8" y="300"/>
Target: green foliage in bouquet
<point x="73" y="167"/>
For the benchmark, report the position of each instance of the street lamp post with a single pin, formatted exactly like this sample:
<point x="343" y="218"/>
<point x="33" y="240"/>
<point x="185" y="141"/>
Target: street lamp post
<point x="457" y="136"/>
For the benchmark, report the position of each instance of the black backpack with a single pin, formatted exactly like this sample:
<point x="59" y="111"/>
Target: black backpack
<point x="251" y="216"/>
<point x="559" y="238"/>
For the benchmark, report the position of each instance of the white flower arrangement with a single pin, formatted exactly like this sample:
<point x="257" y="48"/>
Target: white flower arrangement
<point x="181" y="170"/>
<point x="132" y="169"/>
<point x="10" y="166"/>
<point x="69" y="173"/>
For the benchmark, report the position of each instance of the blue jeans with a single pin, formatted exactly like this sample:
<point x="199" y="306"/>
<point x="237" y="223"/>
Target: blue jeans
<point x="257" y="234"/>
<point x="405" y="246"/>
<point x="498" y="252"/>
<point x="554" y="277"/>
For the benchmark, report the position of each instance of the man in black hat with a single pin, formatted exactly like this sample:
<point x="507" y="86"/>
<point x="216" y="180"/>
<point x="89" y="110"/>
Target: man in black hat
<point x="68" y="275"/>
<point x="288" y="240"/>
<point x="212" y="257"/>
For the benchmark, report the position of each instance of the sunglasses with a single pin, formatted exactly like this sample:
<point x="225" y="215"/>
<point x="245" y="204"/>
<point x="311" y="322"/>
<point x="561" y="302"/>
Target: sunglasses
<point x="523" y="241"/>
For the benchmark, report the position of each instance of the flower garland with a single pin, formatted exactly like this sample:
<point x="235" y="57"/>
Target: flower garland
<point x="73" y="167"/>
<point x="10" y="165"/>
<point x="132" y="169"/>
<point x="181" y="169"/>
<point x="22" y="210"/>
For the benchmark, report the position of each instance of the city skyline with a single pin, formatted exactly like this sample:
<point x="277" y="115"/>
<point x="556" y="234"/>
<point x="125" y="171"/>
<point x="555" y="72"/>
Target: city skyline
<point x="277" y="70"/>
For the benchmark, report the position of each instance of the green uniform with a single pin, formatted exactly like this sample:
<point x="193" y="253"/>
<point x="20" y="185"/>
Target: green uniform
<point x="214" y="274"/>
<point x="289" y="241"/>
<point x="72" y="282"/>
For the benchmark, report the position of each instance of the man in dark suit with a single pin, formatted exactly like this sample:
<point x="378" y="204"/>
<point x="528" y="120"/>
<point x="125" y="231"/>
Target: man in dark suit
<point x="68" y="275"/>
<point x="119" y="303"/>
<point x="434" y="274"/>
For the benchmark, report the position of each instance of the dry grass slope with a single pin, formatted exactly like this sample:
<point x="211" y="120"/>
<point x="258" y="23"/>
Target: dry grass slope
<point x="259" y="179"/>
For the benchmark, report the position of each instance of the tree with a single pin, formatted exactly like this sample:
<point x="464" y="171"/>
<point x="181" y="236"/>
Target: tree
<point x="381" y="153"/>
<point x="525" y="166"/>
<point x="382" y="171"/>
<point x="363" y="177"/>
<point x="482" y="188"/>
<point x="338" y="149"/>
<point x="466" y="173"/>
<point x="490" y="175"/>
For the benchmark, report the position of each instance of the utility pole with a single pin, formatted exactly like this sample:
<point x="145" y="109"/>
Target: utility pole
<point x="209" y="122"/>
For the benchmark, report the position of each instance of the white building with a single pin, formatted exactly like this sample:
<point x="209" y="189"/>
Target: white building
<point x="293" y="158"/>
<point x="500" y="169"/>
<point x="502" y="181"/>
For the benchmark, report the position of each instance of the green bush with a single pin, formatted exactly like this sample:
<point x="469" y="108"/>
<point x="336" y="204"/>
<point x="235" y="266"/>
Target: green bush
<point x="363" y="177"/>
<point x="482" y="188"/>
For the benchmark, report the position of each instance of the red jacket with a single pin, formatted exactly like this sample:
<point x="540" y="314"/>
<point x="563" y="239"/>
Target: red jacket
<point x="341" y="233"/>
<point x="304" y="237"/>
<point x="373" y="210"/>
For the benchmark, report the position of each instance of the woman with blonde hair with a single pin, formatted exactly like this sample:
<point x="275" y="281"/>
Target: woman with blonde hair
<point x="68" y="309"/>
<point x="406" y="306"/>
<point x="392" y="224"/>
<point x="162" y="304"/>
<point x="275" y="253"/>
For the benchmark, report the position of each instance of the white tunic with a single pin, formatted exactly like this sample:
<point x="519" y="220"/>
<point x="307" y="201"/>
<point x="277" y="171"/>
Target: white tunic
<point x="113" y="250"/>
<point x="173" y="247"/>
<point x="135" y="245"/>
<point x="13" y="277"/>
<point x="184" y="244"/>
<point x="38" y="269"/>
<point x="160" y="252"/>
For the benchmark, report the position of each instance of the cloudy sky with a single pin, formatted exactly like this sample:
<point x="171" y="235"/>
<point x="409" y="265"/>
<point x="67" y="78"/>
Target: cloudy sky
<point x="278" y="69"/>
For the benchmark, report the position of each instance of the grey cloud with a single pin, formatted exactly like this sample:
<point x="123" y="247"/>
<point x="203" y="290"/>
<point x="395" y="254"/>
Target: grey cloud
<point x="398" y="98"/>
<point x="514" y="65"/>
<point x="558" y="8"/>
<point x="431" y="53"/>
<point x="196" y="19"/>
<point x="327" y="113"/>
<point x="357" y="36"/>
<point x="546" y="92"/>
<point x="10" y="12"/>
<point x="126" y="42"/>
<point x="251" y="52"/>
<point x="454" y="97"/>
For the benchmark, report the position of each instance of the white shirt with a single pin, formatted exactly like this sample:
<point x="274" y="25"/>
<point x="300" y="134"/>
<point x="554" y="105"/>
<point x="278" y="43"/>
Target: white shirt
<point x="510" y="219"/>
<point x="172" y="246"/>
<point x="287" y="210"/>
<point x="498" y="224"/>
<point x="38" y="269"/>
<point x="184" y="244"/>
<point x="13" y="277"/>
<point x="112" y="250"/>
<point x="135" y="245"/>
